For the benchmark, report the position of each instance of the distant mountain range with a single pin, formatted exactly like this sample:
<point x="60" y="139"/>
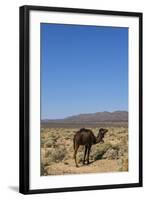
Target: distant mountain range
<point x="117" y="116"/>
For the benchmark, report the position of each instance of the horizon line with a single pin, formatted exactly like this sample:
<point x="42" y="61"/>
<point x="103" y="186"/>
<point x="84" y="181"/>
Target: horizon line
<point x="83" y="114"/>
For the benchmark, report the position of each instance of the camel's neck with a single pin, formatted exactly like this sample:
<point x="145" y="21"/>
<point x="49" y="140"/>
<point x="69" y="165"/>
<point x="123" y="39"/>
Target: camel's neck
<point x="98" y="139"/>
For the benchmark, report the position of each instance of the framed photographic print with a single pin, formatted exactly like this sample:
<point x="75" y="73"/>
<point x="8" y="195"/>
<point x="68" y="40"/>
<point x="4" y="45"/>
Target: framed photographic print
<point x="80" y="99"/>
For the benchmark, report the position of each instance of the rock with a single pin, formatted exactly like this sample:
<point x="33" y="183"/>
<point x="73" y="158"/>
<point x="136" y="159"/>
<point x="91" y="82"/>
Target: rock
<point x="66" y="163"/>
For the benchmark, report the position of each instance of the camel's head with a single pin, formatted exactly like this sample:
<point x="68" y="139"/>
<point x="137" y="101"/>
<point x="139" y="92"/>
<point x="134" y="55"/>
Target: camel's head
<point x="101" y="135"/>
<point x="102" y="132"/>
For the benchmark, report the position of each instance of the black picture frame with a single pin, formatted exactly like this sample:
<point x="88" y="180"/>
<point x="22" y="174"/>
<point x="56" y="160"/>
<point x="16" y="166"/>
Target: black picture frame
<point x="25" y="105"/>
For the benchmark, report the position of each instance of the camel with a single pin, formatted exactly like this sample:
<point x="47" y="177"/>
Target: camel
<point x="87" y="138"/>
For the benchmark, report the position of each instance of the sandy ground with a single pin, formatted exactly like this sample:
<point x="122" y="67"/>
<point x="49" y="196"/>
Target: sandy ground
<point x="93" y="167"/>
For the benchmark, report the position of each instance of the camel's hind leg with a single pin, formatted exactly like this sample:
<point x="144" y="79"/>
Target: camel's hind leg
<point x="75" y="153"/>
<point x="89" y="148"/>
<point x="85" y="152"/>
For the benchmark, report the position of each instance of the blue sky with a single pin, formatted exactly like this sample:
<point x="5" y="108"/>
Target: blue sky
<point x="84" y="69"/>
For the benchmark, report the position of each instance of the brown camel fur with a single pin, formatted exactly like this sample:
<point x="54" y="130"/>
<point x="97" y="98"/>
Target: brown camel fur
<point x="87" y="138"/>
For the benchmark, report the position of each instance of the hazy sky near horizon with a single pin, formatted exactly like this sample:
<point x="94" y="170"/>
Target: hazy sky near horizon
<point x="84" y="69"/>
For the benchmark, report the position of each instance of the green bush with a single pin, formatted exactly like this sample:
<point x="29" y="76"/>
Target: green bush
<point x="56" y="154"/>
<point x="100" y="151"/>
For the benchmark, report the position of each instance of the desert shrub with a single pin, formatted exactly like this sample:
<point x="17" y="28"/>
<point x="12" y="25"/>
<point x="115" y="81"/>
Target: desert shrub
<point x="68" y="131"/>
<point x="111" y="153"/>
<point x="67" y="134"/>
<point x="59" y="153"/>
<point x="68" y="137"/>
<point x="124" y="140"/>
<point x="116" y="147"/>
<point x="42" y="169"/>
<point x="45" y="161"/>
<point x="116" y="151"/>
<point x="80" y="157"/>
<point x="100" y="150"/>
<point x="43" y="142"/>
<point x="67" y="157"/>
<point x="122" y="130"/>
<point x="48" y="152"/>
<point x="81" y="149"/>
<point x="56" y="154"/>
<point x="53" y="155"/>
<point x="123" y="150"/>
<point x="55" y="135"/>
<point x="49" y="143"/>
